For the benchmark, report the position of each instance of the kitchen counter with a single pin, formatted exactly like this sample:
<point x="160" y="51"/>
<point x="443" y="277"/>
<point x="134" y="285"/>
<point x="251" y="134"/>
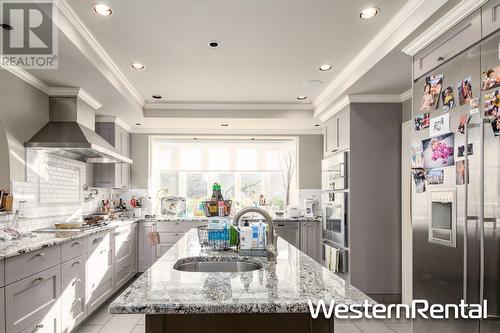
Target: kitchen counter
<point x="204" y="219"/>
<point x="283" y="287"/>
<point x="42" y="240"/>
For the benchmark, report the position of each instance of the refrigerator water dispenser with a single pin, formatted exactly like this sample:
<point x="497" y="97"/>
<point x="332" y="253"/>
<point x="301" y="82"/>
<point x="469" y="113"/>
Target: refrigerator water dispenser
<point x="443" y="219"/>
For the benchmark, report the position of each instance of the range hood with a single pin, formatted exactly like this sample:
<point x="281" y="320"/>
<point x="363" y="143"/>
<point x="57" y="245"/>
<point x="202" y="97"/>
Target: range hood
<point x="70" y="133"/>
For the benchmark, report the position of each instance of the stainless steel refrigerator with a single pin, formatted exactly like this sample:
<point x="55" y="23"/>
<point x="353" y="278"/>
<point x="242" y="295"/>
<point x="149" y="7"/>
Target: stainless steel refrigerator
<point x="455" y="213"/>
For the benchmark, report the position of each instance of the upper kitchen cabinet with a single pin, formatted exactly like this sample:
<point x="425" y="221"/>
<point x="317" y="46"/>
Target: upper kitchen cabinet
<point x="113" y="175"/>
<point x="490" y="17"/>
<point x="337" y="133"/>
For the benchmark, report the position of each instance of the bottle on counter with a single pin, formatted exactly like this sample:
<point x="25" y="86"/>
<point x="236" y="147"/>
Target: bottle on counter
<point x="216" y="193"/>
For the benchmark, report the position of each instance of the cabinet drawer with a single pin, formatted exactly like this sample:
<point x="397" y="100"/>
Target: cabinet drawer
<point x="176" y="226"/>
<point x="170" y="237"/>
<point x="73" y="313"/>
<point x="123" y="272"/>
<point x="490" y="17"/>
<point x="2" y="272"/>
<point x="21" y="266"/>
<point x="100" y="240"/>
<point x="73" y="249"/>
<point x="465" y="34"/>
<point x="48" y="324"/>
<point x="32" y="299"/>
<point x="73" y="268"/>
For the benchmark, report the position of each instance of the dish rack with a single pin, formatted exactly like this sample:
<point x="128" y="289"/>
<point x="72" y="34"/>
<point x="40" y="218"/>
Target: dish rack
<point x="218" y="239"/>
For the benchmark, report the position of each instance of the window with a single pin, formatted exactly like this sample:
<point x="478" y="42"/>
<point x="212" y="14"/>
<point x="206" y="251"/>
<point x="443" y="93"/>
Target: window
<point x="251" y="173"/>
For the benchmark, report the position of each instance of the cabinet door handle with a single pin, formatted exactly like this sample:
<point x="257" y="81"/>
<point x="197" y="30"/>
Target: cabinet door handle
<point x="40" y="278"/>
<point x="41" y="254"/>
<point x="76" y="281"/>
<point x="76" y="301"/>
<point x="78" y="262"/>
<point x="440" y="58"/>
<point x="39" y="326"/>
<point x="76" y="243"/>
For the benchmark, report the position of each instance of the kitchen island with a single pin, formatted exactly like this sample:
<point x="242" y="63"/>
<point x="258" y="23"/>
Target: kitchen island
<point x="271" y="299"/>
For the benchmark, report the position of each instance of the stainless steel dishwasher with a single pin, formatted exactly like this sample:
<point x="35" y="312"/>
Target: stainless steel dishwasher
<point x="289" y="231"/>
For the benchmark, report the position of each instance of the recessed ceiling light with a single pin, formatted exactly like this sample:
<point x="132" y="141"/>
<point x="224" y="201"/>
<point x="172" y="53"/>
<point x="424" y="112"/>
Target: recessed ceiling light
<point x="224" y="124"/>
<point x="325" y="67"/>
<point x="136" y="65"/>
<point x="138" y="124"/>
<point x="316" y="125"/>
<point x="301" y="97"/>
<point x="369" y="12"/>
<point x="6" y="26"/>
<point x="102" y="9"/>
<point x="213" y="44"/>
<point x="156" y="96"/>
<point x="195" y="138"/>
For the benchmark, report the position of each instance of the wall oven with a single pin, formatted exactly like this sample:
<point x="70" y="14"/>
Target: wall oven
<point x="334" y="172"/>
<point x="334" y="218"/>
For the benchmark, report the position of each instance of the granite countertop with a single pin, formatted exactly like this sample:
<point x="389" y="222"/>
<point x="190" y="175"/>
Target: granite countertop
<point x="281" y="287"/>
<point x="41" y="240"/>
<point x="205" y="219"/>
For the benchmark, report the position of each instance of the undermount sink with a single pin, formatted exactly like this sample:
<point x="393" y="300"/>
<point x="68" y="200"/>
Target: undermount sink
<point x="217" y="266"/>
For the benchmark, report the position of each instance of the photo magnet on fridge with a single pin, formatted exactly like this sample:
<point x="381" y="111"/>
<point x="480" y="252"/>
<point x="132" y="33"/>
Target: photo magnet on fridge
<point x="464" y="120"/>
<point x="490" y="78"/>
<point x="460" y="173"/>
<point x="422" y="121"/>
<point x="464" y="89"/>
<point x="448" y="99"/>
<point x="417" y="156"/>
<point x="431" y="92"/>
<point x="435" y="177"/>
<point x="461" y="150"/>
<point x="495" y="125"/>
<point x="439" y="151"/>
<point x="474" y="105"/>
<point x="439" y="125"/>
<point x="491" y="104"/>
<point x="419" y="176"/>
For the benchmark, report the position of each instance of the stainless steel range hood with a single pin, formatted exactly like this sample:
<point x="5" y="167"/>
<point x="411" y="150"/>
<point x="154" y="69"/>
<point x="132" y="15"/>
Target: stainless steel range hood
<point x="70" y="133"/>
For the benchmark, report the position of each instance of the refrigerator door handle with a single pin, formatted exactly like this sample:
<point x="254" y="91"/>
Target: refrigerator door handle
<point x="466" y="210"/>
<point x="481" y="213"/>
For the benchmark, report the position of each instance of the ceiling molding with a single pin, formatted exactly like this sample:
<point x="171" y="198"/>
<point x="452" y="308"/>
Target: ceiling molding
<point x="71" y="25"/>
<point x="229" y="106"/>
<point x="53" y="91"/>
<point x="78" y="92"/>
<point x="349" y="99"/>
<point x="113" y="119"/>
<point x="445" y="23"/>
<point x="408" y="18"/>
<point x="406" y="95"/>
<point x="229" y="114"/>
<point x="201" y="131"/>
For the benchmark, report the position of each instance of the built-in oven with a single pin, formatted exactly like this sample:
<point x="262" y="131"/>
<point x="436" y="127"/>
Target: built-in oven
<point x="334" y="172"/>
<point x="334" y="218"/>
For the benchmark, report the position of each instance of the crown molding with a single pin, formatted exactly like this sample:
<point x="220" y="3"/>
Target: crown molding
<point x="400" y="26"/>
<point x="445" y="23"/>
<point x="71" y="25"/>
<point x="406" y="95"/>
<point x="53" y="91"/>
<point x="229" y="106"/>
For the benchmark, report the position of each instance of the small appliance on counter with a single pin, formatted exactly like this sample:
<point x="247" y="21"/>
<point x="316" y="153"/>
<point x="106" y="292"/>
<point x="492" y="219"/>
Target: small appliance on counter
<point x="293" y="211"/>
<point x="173" y="206"/>
<point x="311" y="208"/>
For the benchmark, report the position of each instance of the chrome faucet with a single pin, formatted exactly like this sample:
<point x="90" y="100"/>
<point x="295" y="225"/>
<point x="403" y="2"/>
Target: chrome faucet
<point x="272" y="238"/>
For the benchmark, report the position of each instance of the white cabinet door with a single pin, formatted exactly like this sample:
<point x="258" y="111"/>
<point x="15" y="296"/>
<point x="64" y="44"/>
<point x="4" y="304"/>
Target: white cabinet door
<point x="331" y="136"/>
<point x="491" y="17"/>
<point x="343" y="130"/>
<point x="146" y="251"/>
<point x="99" y="271"/>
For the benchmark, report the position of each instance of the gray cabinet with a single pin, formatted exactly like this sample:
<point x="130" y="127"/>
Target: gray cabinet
<point x="73" y="309"/>
<point x="337" y="132"/>
<point x="289" y="231"/>
<point x="146" y="251"/>
<point x="490" y="14"/>
<point x="310" y="239"/>
<point x="463" y="35"/>
<point x="115" y="175"/>
<point x="21" y="266"/>
<point x="2" y="310"/>
<point x="33" y="302"/>
<point x="2" y="273"/>
<point x="125" y="259"/>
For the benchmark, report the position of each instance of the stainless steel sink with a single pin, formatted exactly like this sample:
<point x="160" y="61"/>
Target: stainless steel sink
<point x="217" y="266"/>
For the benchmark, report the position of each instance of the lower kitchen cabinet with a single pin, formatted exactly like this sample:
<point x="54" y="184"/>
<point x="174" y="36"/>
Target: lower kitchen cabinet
<point x="125" y="260"/>
<point x="2" y="310"/>
<point x="73" y="309"/>
<point x="99" y="270"/>
<point x="310" y="240"/>
<point x="33" y="303"/>
<point x="146" y="252"/>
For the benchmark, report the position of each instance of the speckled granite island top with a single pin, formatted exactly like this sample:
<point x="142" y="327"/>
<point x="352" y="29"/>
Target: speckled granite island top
<point x="281" y="287"/>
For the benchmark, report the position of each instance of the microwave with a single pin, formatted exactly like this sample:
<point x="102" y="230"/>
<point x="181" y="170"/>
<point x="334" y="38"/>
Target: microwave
<point x="334" y="172"/>
<point x="334" y="219"/>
